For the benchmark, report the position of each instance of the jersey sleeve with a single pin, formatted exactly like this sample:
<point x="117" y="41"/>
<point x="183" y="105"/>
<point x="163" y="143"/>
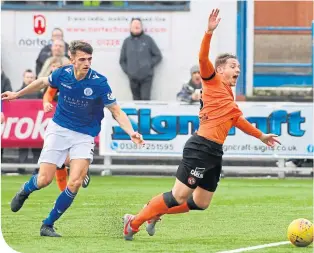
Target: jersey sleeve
<point x="247" y="127"/>
<point x="54" y="78"/>
<point x="207" y="69"/>
<point x="106" y="94"/>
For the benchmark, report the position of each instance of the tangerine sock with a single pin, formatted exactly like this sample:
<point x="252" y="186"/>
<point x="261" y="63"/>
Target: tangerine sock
<point x="155" y="207"/>
<point x="184" y="208"/>
<point x="61" y="177"/>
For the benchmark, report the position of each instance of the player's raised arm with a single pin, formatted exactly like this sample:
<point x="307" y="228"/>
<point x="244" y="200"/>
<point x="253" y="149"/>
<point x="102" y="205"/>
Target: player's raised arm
<point x="125" y="123"/>
<point x="207" y="69"/>
<point x="248" y="128"/>
<point x="37" y="85"/>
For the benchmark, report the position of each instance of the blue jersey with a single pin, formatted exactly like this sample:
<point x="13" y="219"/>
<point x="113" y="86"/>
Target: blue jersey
<point x="81" y="103"/>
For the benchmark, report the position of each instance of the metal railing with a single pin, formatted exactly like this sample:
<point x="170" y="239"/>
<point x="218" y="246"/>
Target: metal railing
<point x="290" y="65"/>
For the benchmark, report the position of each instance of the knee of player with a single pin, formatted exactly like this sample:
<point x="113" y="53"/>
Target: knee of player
<point x="44" y="180"/>
<point x="198" y="204"/>
<point x="180" y="197"/>
<point x="74" y="184"/>
<point x="203" y="205"/>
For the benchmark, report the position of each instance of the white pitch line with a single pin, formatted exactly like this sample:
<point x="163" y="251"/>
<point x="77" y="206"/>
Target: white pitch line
<point x="255" y="247"/>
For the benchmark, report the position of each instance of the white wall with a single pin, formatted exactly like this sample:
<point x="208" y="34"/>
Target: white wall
<point x="186" y="31"/>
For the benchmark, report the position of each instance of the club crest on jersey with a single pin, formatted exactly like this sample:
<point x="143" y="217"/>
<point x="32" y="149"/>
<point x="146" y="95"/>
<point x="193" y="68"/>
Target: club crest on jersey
<point x="110" y="96"/>
<point x="88" y="92"/>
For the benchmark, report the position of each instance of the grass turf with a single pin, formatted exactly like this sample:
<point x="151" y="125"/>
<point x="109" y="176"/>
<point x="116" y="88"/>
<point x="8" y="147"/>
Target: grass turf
<point x="243" y="213"/>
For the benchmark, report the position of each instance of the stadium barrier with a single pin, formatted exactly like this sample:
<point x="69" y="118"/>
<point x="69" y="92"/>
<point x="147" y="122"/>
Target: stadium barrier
<point x="166" y="127"/>
<point x="287" y="79"/>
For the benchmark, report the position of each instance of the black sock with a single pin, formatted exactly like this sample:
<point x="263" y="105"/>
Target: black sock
<point x="170" y="200"/>
<point x="192" y="205"/>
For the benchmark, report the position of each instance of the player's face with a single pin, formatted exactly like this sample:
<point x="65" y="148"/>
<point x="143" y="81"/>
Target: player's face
<point x="28" y="78"/>
<point x="82" y="61"/>
<point x="231" y="71"/>
<point x="136" y="27"/>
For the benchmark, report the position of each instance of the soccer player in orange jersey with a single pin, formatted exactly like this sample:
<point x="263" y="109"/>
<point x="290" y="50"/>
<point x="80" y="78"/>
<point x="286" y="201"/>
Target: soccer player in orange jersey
<point x="61" y="173"/>
<point x="199" y="171"/>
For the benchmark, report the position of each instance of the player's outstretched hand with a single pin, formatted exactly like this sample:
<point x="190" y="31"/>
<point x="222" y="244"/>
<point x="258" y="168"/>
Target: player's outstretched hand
<point x="47" y="107"/>
<point x="9" y="95"/>
<point x="270" y="139"/>
<point x="213" y="20"/>
<point x="137" y="138"/>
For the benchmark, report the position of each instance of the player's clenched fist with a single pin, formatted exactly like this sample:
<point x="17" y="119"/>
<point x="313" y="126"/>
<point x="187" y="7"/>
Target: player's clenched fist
<point x="9" y="95"/>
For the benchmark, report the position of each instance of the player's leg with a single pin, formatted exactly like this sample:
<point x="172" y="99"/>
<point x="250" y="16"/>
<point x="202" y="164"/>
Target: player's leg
<point x="184" y="186"/>
<point x="86" y="180"/>
<point x="36" y="182"/>
<point x="62" y="174"/>
<point x="203" y="194"/>
<point x="157" y="206"/>
<point x="52" y="155"/>
<point x="80" y="156"/>
<point x="78" y="170"/>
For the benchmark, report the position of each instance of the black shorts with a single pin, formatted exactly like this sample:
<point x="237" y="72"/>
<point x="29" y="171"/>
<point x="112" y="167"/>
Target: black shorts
<point x="201" y="163"/>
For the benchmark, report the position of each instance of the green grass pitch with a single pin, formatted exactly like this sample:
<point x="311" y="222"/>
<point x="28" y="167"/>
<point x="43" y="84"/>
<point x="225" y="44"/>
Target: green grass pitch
<point x="243" y="213"/>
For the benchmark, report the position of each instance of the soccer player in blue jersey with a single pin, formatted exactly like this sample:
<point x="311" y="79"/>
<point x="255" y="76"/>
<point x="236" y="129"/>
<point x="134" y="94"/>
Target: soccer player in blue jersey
<point x="83" y="94"/>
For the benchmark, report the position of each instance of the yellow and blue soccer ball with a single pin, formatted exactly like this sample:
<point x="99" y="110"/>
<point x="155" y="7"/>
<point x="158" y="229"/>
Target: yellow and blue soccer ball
<point x="300" y="232"/>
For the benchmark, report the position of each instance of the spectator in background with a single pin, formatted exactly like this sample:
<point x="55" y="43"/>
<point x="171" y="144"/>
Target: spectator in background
<point x="29" y="77"/>
<point x="54" y="93"/>
<point x="5" y="82"/>
<point x="45" y="53"/>
<point x="139" y="56"/>
<point x="5" y="86"/>
<point x="191" y="91"/>
<point x="58" y="55"/>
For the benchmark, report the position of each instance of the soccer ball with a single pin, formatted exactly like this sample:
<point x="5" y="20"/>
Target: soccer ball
<point x="300" y="232"/>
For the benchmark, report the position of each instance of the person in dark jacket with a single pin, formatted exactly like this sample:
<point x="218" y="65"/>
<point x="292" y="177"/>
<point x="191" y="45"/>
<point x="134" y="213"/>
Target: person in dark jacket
<point x="139" y="56"/>
<point x="28" y="78"/>
<point x="5" y="82"/>
<point x="5" y="86"/>
<point x="190" y="91"/>
<point x="45" y="53"/>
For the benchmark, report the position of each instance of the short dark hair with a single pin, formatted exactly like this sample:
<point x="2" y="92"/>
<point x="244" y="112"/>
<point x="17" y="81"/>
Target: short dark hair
<point x="78" y="45"/>
<point x="27" y="71"/>
<point x="138" y="19"/>
<point x="222" y="59"/>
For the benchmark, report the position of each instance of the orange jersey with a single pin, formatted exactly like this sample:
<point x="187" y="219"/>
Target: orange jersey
<point x="219" y="112"/>
<point x="49" y="95"/>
